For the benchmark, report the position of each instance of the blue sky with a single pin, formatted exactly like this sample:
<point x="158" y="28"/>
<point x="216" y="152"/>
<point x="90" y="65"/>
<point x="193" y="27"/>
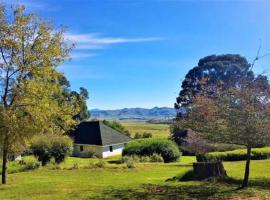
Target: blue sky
<point x="135" y="53"/>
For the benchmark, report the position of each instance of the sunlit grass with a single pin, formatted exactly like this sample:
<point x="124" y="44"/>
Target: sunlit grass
<point x="157" y="130"/>
<point x="145" y="181"/>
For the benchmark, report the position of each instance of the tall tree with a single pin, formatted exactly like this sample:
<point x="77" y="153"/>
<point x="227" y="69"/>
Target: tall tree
<point x="213" y="73"/>
<point x="80" y="99"/>
<point x="238" y="115"/>
<point x="30" y="103"/>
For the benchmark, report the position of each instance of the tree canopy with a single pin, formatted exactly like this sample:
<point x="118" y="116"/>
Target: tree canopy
<point x="213" y="73"/>
<point x="31" y="90"/>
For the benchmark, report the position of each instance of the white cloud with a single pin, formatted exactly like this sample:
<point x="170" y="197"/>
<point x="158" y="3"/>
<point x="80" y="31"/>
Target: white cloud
<point x="96" y="41"/>
<point x="80" y="55"/>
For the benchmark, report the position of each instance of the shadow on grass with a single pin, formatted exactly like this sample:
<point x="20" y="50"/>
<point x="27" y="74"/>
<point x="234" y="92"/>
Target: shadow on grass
<point x="189" y="176"/>
<point x="185" y="187"/>
<point x="166" y="192"/>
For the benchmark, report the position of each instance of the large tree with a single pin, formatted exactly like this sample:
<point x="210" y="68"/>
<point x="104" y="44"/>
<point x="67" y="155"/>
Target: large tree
<point x="31" y="101"/>
<point x="213" y="74"/>
<point x="238" y="115"/>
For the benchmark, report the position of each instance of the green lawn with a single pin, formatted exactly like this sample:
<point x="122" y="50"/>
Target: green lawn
<point x="145" y="181"/>
<point x="158" y="130"/>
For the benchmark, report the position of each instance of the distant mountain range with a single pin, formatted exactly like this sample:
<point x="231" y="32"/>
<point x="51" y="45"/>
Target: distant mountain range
<point x="135" y="114"/>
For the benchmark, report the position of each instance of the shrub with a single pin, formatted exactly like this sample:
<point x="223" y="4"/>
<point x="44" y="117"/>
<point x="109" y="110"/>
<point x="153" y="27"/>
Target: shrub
<point x="156" y="158"/>
<point x="62" y="146"/>
<point x="41" y="147"/>
<point x="147" y="135"/>
<point x="137" y="136"/>
<point x="147" y="147"/>
<point x="31" y="163"/>
<point x="46" y="147"/>
<point x="144" y="135"/>
<point x="144" y="159"/>
<point x="235" y="155"/>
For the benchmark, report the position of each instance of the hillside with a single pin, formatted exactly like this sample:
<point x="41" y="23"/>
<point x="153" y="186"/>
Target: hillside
<point x="135" y="114"/>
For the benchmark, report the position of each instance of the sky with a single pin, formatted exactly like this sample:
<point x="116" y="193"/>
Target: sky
<point x="135" y="53"/>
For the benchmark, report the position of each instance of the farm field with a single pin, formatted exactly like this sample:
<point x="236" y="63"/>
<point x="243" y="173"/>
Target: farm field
<point x="116" y="181"/>
<point x="157" y="130"/>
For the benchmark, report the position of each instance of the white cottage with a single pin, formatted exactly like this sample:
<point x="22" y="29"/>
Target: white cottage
<point x="95" y="138"/>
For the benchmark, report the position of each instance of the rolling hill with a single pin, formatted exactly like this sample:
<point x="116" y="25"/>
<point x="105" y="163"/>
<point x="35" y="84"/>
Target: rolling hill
<point x="135" y="114"/>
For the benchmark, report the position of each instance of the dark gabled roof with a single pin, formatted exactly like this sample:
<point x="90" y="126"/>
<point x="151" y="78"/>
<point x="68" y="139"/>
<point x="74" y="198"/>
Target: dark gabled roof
<point x="97" y="133"/>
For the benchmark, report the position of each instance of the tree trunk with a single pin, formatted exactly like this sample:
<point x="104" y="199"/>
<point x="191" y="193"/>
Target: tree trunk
<point x="246" y="177"/>
<point x="4" y="166"/>
<point x="203" y="170"/>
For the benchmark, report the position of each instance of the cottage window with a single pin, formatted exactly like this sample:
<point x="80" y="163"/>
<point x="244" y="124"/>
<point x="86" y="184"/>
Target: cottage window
<point x="111" y="149"/>
<point x="81" y="148"/>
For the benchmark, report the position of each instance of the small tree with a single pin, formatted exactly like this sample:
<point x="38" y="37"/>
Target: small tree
<point x="239" y="115"/>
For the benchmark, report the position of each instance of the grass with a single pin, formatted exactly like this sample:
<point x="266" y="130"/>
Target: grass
<point x="157" y="130"/>
<point x="146" y="181"/>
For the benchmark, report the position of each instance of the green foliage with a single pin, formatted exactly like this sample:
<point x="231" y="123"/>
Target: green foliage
<point x="32" y="100"/>
<point x="41" y="147"/>
<point x="62" y="146"/>
<point x="144" y="135"/>
<point x="48" y="146"/>
<point x="147" y="147"/>
<point x="81" y="98"/>
<point x="236" y="155"/>
<point x="156" y="158"/>
<point x="210" y="72"/>
<point x="117" y="126"/>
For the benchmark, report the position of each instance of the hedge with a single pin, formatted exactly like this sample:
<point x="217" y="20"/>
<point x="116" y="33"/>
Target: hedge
<point x="235" y="155"/>
<point x="147" y="147"/>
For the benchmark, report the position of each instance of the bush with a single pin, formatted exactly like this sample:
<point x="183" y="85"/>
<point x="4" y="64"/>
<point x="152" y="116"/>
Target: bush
<point x="147" y="135"/>
<point x="62" y="146"/>
<point x="235" y="155"/>
<point x="137" y="136"/>
<point x="147" y="147"/>
<point x="46" y="147"/>
<point x="156" y="158"/>
<point x="144" y="135"/>
<point x="30" y="163"/>
<point x="41" y="147"/>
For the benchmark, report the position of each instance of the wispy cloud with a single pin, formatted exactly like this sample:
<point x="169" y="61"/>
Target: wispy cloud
<point x="97" y="41"/>
<point x="80" y="55"/>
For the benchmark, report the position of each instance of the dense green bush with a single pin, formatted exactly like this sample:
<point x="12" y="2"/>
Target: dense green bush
<point x="236" y="155"/>
<point x="62" y="146"/>
<point x="156" y="158"/>
<point x="46" y="147"/>
<point x="41" y="147"/>
<point x="147" y="147"/>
